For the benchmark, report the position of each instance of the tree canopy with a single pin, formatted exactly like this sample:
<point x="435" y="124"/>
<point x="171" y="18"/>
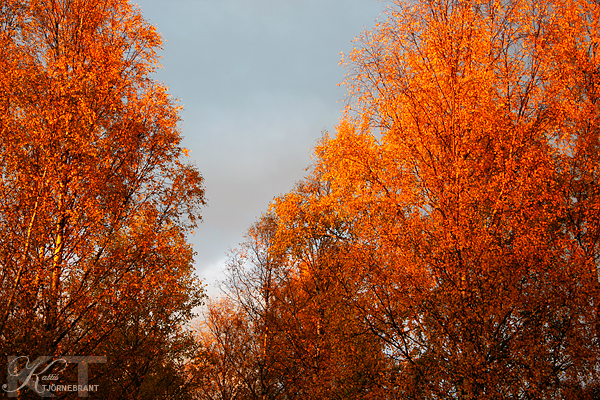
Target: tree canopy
<point x="450" y="227"/>
<point x="96" y="198"/>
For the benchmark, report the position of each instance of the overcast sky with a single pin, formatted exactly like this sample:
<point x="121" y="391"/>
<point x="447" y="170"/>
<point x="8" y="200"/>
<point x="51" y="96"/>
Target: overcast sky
<point x="258" y="80"/>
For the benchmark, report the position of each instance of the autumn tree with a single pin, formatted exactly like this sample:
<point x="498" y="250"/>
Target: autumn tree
<point x="465" y="168"/>
<point x="334" y="354"/>
<point x="284" y="329"/>
<point x="455" y="210"/>
<point x="238" y="333"/>
<point x="95" y="199"/>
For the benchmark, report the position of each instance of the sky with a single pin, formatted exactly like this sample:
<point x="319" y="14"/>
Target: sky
<point x="258" y="80"/>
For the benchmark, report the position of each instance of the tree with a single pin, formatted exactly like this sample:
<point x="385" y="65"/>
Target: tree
<point x="448" y="234"/>
<point x="334" y="355"/>
<point x="465" y="168"/>
<point x="239" y="332"/>
<point x="455" y="211"/>
<point x="284" y="330"/>
<point x="95" y="199"/>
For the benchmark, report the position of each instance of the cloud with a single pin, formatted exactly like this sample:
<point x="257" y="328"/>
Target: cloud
<point x="258" y="81"/>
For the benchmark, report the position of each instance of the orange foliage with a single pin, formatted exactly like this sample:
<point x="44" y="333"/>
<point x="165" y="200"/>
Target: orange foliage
<point x="94" y="200"/>
<point x="458" y="205"/>
<point x="285" y="331"/>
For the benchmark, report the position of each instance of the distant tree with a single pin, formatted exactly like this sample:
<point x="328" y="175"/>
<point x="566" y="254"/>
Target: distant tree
<point x="334" y="354"/>
<point x="239" y="333"/>
<point x="284" y="330"/>
<point x="95" y="200"/>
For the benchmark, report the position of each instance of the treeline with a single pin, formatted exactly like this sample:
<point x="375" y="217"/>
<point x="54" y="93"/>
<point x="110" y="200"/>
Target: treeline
<point x="446" y="242"/>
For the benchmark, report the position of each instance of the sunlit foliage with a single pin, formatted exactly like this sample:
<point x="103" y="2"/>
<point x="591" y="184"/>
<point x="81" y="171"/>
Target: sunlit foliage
<point x="456" y="209"/>
<point x="95" y="198"/>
